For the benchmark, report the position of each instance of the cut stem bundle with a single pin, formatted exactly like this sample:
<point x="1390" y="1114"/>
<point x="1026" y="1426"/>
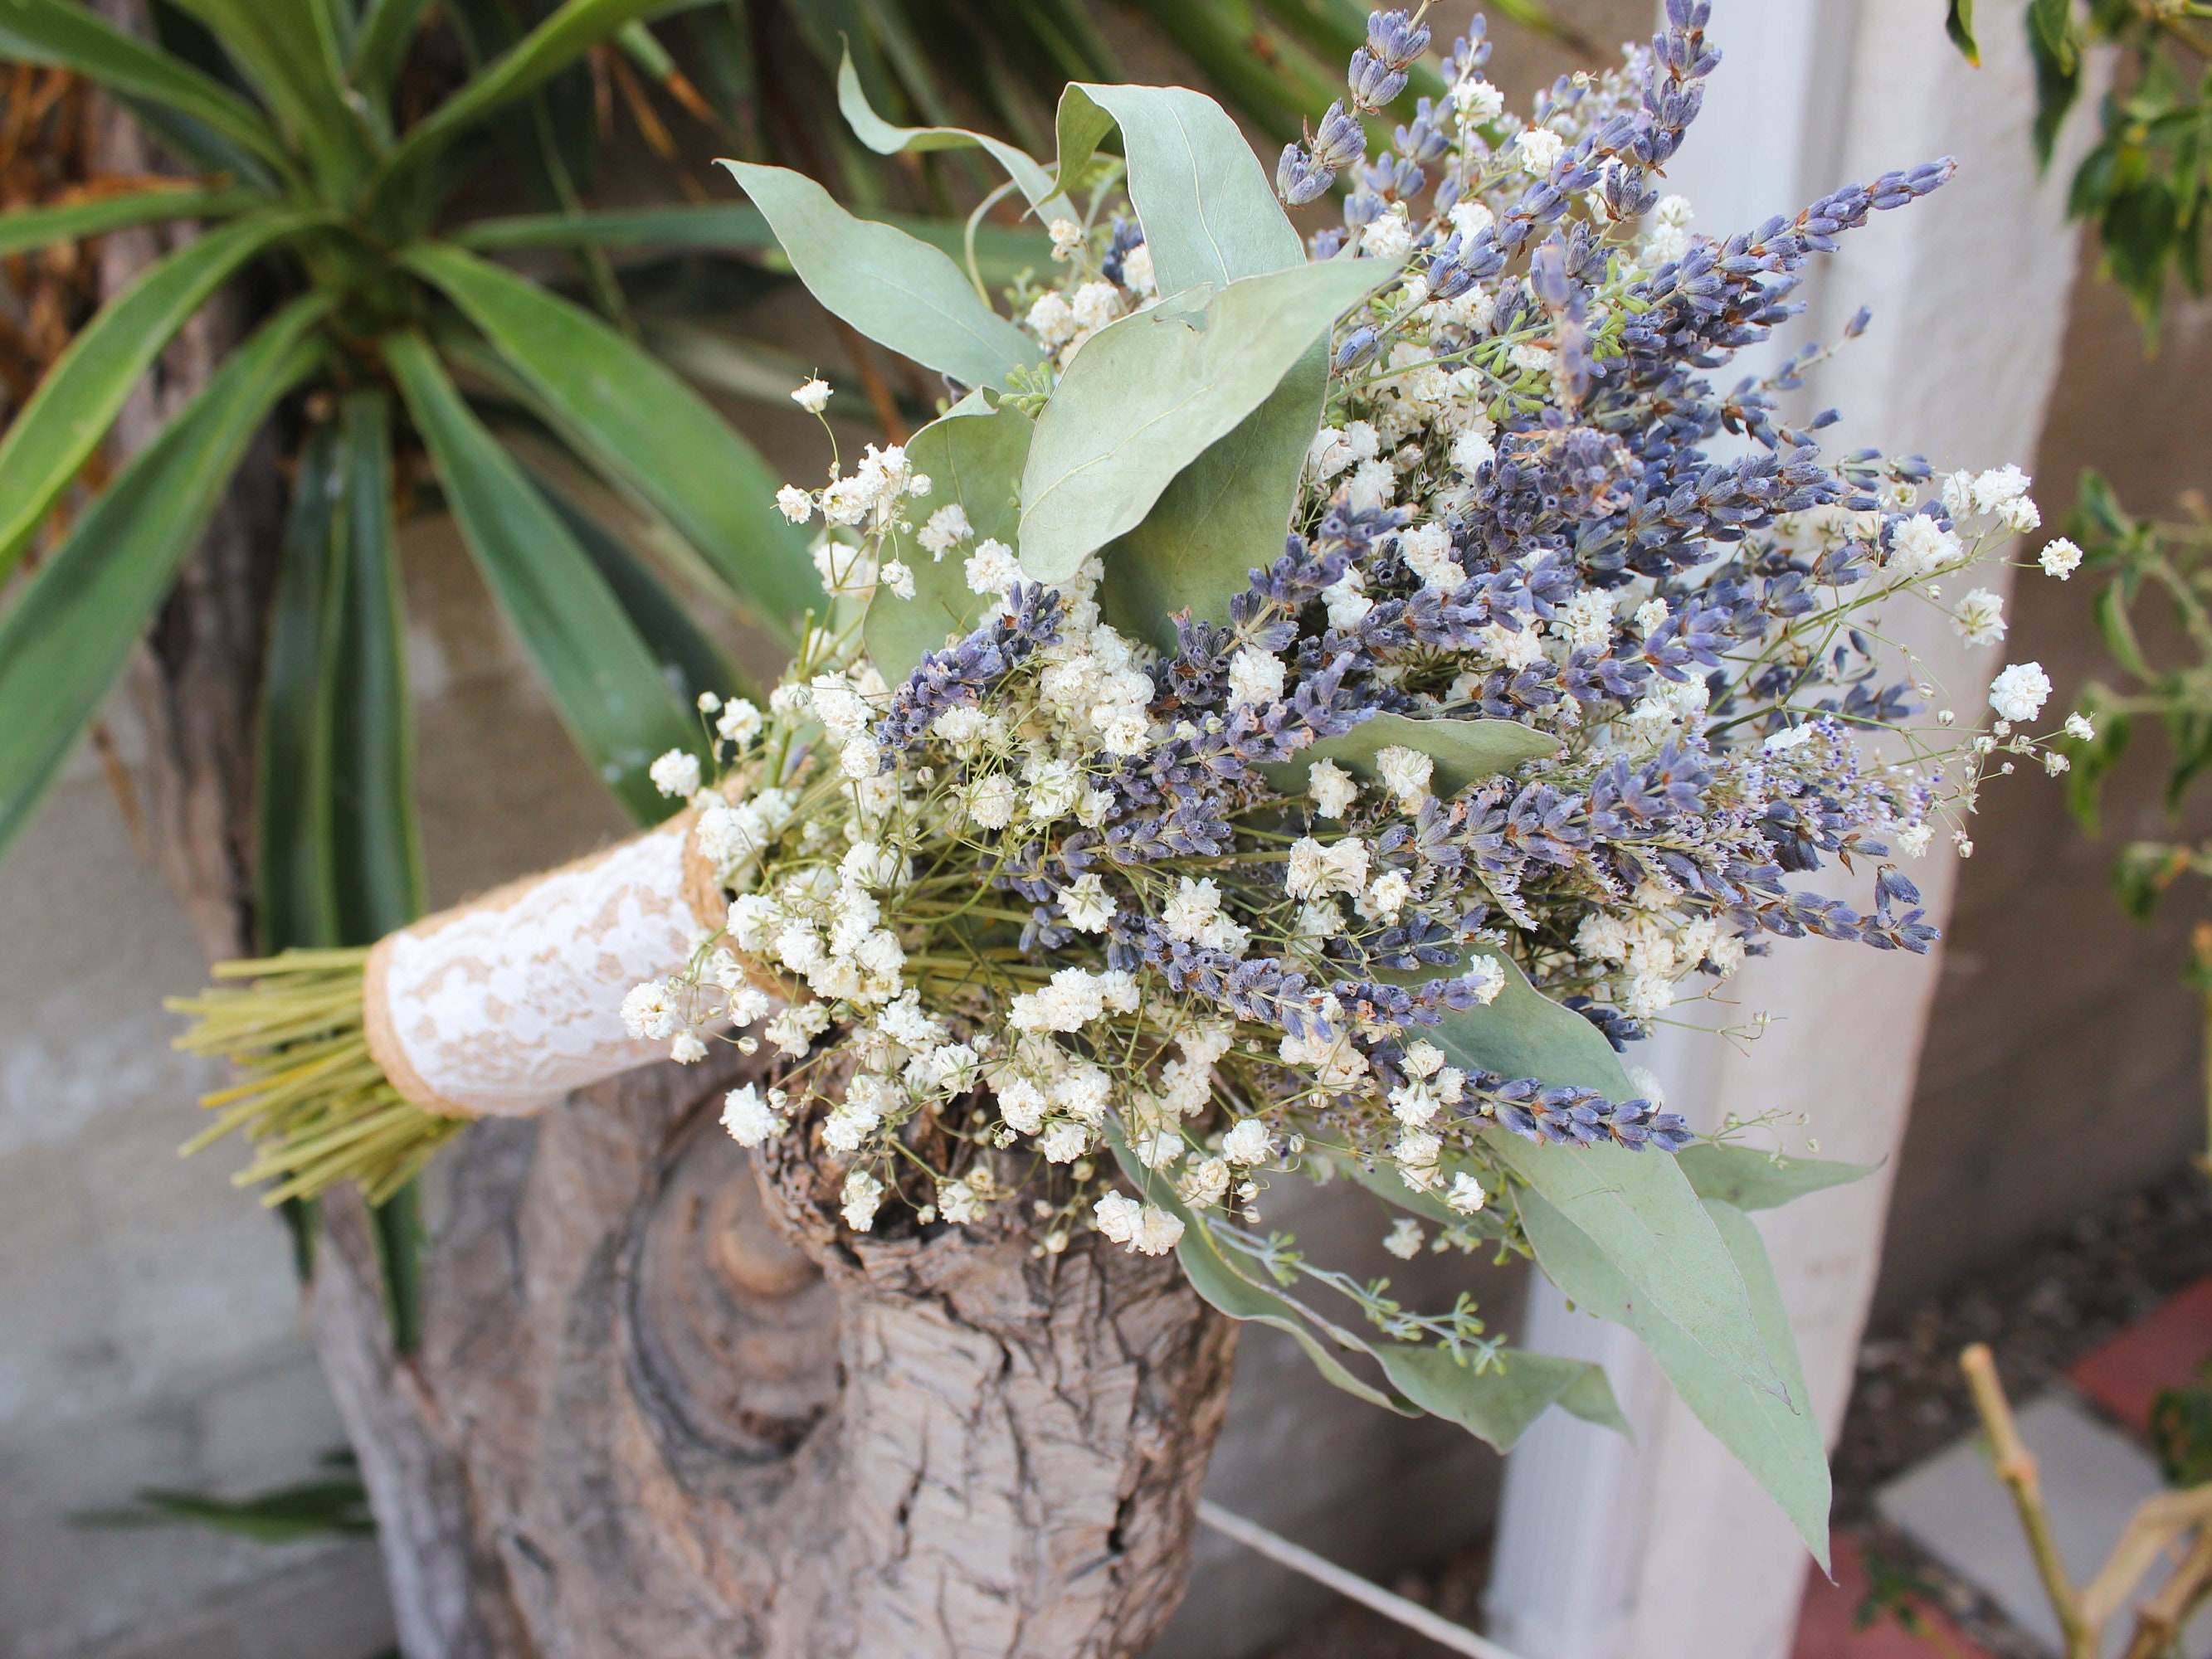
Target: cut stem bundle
<point x="314" y="1102"/>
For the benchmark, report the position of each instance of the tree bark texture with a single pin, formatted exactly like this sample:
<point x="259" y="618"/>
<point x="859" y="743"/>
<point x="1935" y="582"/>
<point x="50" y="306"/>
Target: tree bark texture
<point x="674" y="1413"/>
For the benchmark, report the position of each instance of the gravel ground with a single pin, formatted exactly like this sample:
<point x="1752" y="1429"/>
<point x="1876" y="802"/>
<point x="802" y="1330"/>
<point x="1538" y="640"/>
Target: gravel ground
<point x="2054" y="1301"/>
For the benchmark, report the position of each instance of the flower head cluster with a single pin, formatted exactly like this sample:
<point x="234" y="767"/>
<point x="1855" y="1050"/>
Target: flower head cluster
<point x="1070" y="897"/>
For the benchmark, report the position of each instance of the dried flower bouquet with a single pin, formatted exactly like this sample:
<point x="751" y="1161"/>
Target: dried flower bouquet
<point x="1303" y="709"/>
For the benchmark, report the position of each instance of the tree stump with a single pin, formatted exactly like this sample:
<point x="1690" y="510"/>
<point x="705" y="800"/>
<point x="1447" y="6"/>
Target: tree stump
<point x="662" y="1408"/>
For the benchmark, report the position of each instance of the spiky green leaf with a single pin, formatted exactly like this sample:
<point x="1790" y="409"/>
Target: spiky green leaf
<point x="57" y="431"/>
<point x="609" y="690"/>
<point x="67" y="636"/>
<point x="627" y="413"/>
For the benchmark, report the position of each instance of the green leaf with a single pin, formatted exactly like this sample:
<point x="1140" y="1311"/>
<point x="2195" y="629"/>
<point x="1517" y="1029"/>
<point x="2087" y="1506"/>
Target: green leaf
<point x="1209" y="213"/>
<point x="899" y="292"/>
<point x="1638" y="1212"/>
<point x="690" y="661"/>
<point x="2050" y="23"/>
<point x="1464" y="751"/>
<point x="57" y="431"/>
<point x="1959" y="24"/>
<point x="2058" y="84"/>
<point x="1226" y="515"/>
<point x="74" y="37"/>
<point x="71" y="631"/>
<point x="380" y="45"/>
<point x="548" y="48"/>
<point x="1752" y="1180"/>
<point x="399" y="1223"/>
<point x="631" y="415"/>
<point x="1002" y="252"/>
<point x="1771" y="1431"/>
<point x="374" y="843"/>
<point x="42" y="227"/>
<point x="292" y="63"/>
<point x="1524" y="1033"/>
<point x="973" y="455"/>
<point x="604" y="681"/>
<point x="1148" y="393"/>
<point x="295" y="875"/>
<point x="1497" y="1404"/>
<point x="880" y="135"/>
<point x="339" y="861"/>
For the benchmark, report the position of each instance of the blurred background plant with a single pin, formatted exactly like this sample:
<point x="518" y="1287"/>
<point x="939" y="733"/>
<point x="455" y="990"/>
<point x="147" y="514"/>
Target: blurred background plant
<point x="2147" y="183"/>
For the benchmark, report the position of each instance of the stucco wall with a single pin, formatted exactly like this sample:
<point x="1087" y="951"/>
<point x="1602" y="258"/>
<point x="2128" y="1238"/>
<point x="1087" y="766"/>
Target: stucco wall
<point x="2062" y="1060"/>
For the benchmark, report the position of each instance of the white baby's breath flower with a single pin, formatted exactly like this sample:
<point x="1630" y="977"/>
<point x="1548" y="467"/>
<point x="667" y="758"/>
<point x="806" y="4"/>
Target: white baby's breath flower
<point x="1255" y="676"/>
<point x="2079" y="726"/>
<point x="947" y="528"/>
<point x="1388" y="894"/>
<point x="749" y="1119"/>
<point x="992" y="568"/>
<point x="649" y="1011"/>
<point x="862" y="1196"/>
<point x="813" y="397"/>
<point x="675" y="774"/>
<point x="1918" y="547"/>
<point x="1248" y="1143"/>
<point x="1406" y="772"/>
<point x="794" y="503"/>
<point x="687" y="1049"/>
<point x="1066" y="237"/>
<point x="898" y="578"/>
<point x="2019" y="692"/>
<point x="1137" y="275"/>
<point x="1086" y="905"/>
<point x="2060" y="558"/>
<point x="991" y="801"/>
<point x="1332" y="788"/>
<point x="1466" y="1195"/>
<point x="1538" y="150"/>
<point x="1405" y="1238"/>
<point x="1979" y="618"/>
<point x="740" y="722"/>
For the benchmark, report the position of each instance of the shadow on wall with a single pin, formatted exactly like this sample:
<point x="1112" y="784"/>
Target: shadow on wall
<point x="2062" y="1060"/>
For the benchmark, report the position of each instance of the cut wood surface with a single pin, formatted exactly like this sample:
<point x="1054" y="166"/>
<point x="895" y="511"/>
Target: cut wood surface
<point x="662" y="1408"/>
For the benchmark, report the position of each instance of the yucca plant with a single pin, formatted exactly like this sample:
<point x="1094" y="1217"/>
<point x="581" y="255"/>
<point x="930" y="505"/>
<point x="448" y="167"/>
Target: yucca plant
<point x="316" y="178"/>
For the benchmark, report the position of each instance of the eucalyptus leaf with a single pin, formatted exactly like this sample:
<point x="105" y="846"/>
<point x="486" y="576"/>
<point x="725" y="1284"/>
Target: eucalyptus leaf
<point x="1772" y="1431"/>
<point x="1226" y="516"/>
<point x="1209" y="213"/>
<point x="880" y="135"/>
<point x="1496" y="1404"/>
<point x="1752" y="1180"/>
<point x="899" y="292"/>
<point x="1524" y="1033"/>
<point x="1465" y="751"/>
<point x="973" y="455"/>
<point x="1638" y="1210"/>
<point x="1148" y="394"/>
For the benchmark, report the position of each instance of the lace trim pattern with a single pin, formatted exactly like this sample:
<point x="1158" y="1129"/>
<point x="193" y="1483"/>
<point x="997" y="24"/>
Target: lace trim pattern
<point x="501" y="1007"/>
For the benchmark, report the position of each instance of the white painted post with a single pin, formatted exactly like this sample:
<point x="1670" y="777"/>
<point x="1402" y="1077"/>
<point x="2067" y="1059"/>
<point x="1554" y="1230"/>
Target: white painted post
<point x="1666" y="1547"/>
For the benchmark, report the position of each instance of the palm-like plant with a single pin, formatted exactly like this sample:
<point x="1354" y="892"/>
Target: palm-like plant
<point x="323" y="185"/>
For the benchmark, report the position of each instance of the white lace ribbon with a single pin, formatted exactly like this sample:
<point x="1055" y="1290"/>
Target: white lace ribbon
<point x="501" y="1007"/>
